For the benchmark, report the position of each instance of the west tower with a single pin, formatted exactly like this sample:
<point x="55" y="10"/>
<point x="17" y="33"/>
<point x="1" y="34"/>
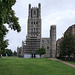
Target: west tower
<point x="33" y="29"/>
<point x="34" y="22"/>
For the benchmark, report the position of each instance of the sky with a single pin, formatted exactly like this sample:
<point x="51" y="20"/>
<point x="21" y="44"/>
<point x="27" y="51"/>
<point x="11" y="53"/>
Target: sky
<point x="53" y="12"/>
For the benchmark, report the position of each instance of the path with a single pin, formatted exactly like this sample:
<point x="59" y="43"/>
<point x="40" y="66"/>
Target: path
<point x="71" y="65"/>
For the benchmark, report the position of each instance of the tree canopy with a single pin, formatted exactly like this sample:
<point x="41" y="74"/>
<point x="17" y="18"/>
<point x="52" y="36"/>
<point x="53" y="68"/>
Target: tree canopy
<point x="67" y="45"/>
<point x="41" y="51"/>
<point x="7" y="16"/>
<point x="15" y="53"/>
<point x="9" y="52"/>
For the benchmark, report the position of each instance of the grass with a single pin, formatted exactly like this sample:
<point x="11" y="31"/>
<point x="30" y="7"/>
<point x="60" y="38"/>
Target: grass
<point x="22" y="66"/>
<point x="71" y="62"/>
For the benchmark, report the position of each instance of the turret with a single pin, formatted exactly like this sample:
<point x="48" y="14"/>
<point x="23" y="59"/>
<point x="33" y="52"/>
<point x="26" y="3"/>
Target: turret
<point x="53" y="41"/>
<point x="29" y="11"/>
<point x="39" y="6"/>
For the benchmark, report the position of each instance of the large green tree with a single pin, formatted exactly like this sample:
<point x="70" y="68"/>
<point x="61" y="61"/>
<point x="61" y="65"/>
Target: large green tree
<point x="7" y="16"/>
<point x="15" y="53"/>
<point x="67" y="45"/>
<point x="9" y="52"/>
<point x="41" y="51"/>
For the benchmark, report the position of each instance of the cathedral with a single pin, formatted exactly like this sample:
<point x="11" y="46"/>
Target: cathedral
<point x="34" y="41"/>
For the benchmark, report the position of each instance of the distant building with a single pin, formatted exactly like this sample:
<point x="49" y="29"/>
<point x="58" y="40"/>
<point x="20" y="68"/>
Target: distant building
<point x="33" y="40"/>
<point x="71" y="29"/>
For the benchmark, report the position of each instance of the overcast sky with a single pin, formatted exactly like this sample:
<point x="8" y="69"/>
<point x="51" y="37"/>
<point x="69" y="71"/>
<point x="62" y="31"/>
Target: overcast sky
<point x="58" y="12"/>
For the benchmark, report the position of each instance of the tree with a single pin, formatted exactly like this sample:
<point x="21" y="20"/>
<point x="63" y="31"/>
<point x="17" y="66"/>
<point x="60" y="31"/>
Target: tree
<point x="15" y="53"/>
<point x="3" y="45"/>
<point x="7" y="16"/>
<point x="41" y="51"/>
<point x="67" y="45"/>
<point x="9" y="52"/>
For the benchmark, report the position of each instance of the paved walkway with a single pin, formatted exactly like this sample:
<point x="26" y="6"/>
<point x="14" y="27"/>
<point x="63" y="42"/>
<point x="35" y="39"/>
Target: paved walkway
<point x="71" y="65"/>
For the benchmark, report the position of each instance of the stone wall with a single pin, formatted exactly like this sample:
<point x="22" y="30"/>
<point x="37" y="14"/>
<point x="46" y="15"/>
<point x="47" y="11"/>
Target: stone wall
<point x="45" y="42"/>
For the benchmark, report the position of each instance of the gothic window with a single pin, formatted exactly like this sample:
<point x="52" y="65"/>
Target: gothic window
<point x="34" y="12"/>
<point x="34" y="22"/>
<point x="47" y="47"/>
<point x="47" y="41"/>
<point x="34" y="29"/>
<point x="31" y="22"/>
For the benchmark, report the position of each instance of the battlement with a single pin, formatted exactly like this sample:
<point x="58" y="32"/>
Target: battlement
<point x="34" y="12"/>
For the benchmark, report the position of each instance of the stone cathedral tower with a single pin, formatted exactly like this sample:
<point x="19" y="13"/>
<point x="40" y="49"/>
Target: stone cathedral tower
<point x="33" y="38"/>
<point x="53" y="41"/>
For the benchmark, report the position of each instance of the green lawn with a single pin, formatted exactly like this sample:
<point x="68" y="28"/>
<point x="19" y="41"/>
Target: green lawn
<point x="71" y="62"/>
<point x="22" y="66"/>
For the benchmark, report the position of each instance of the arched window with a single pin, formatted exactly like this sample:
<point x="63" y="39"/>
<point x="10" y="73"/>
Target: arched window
<point x="47" y="41"/>
<point x="34" y="22"/>
<point x="34" y="29"/>
<point x="34" y="12"/>
<point x="31" y="22"/>
<point x="47" y="47"/>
